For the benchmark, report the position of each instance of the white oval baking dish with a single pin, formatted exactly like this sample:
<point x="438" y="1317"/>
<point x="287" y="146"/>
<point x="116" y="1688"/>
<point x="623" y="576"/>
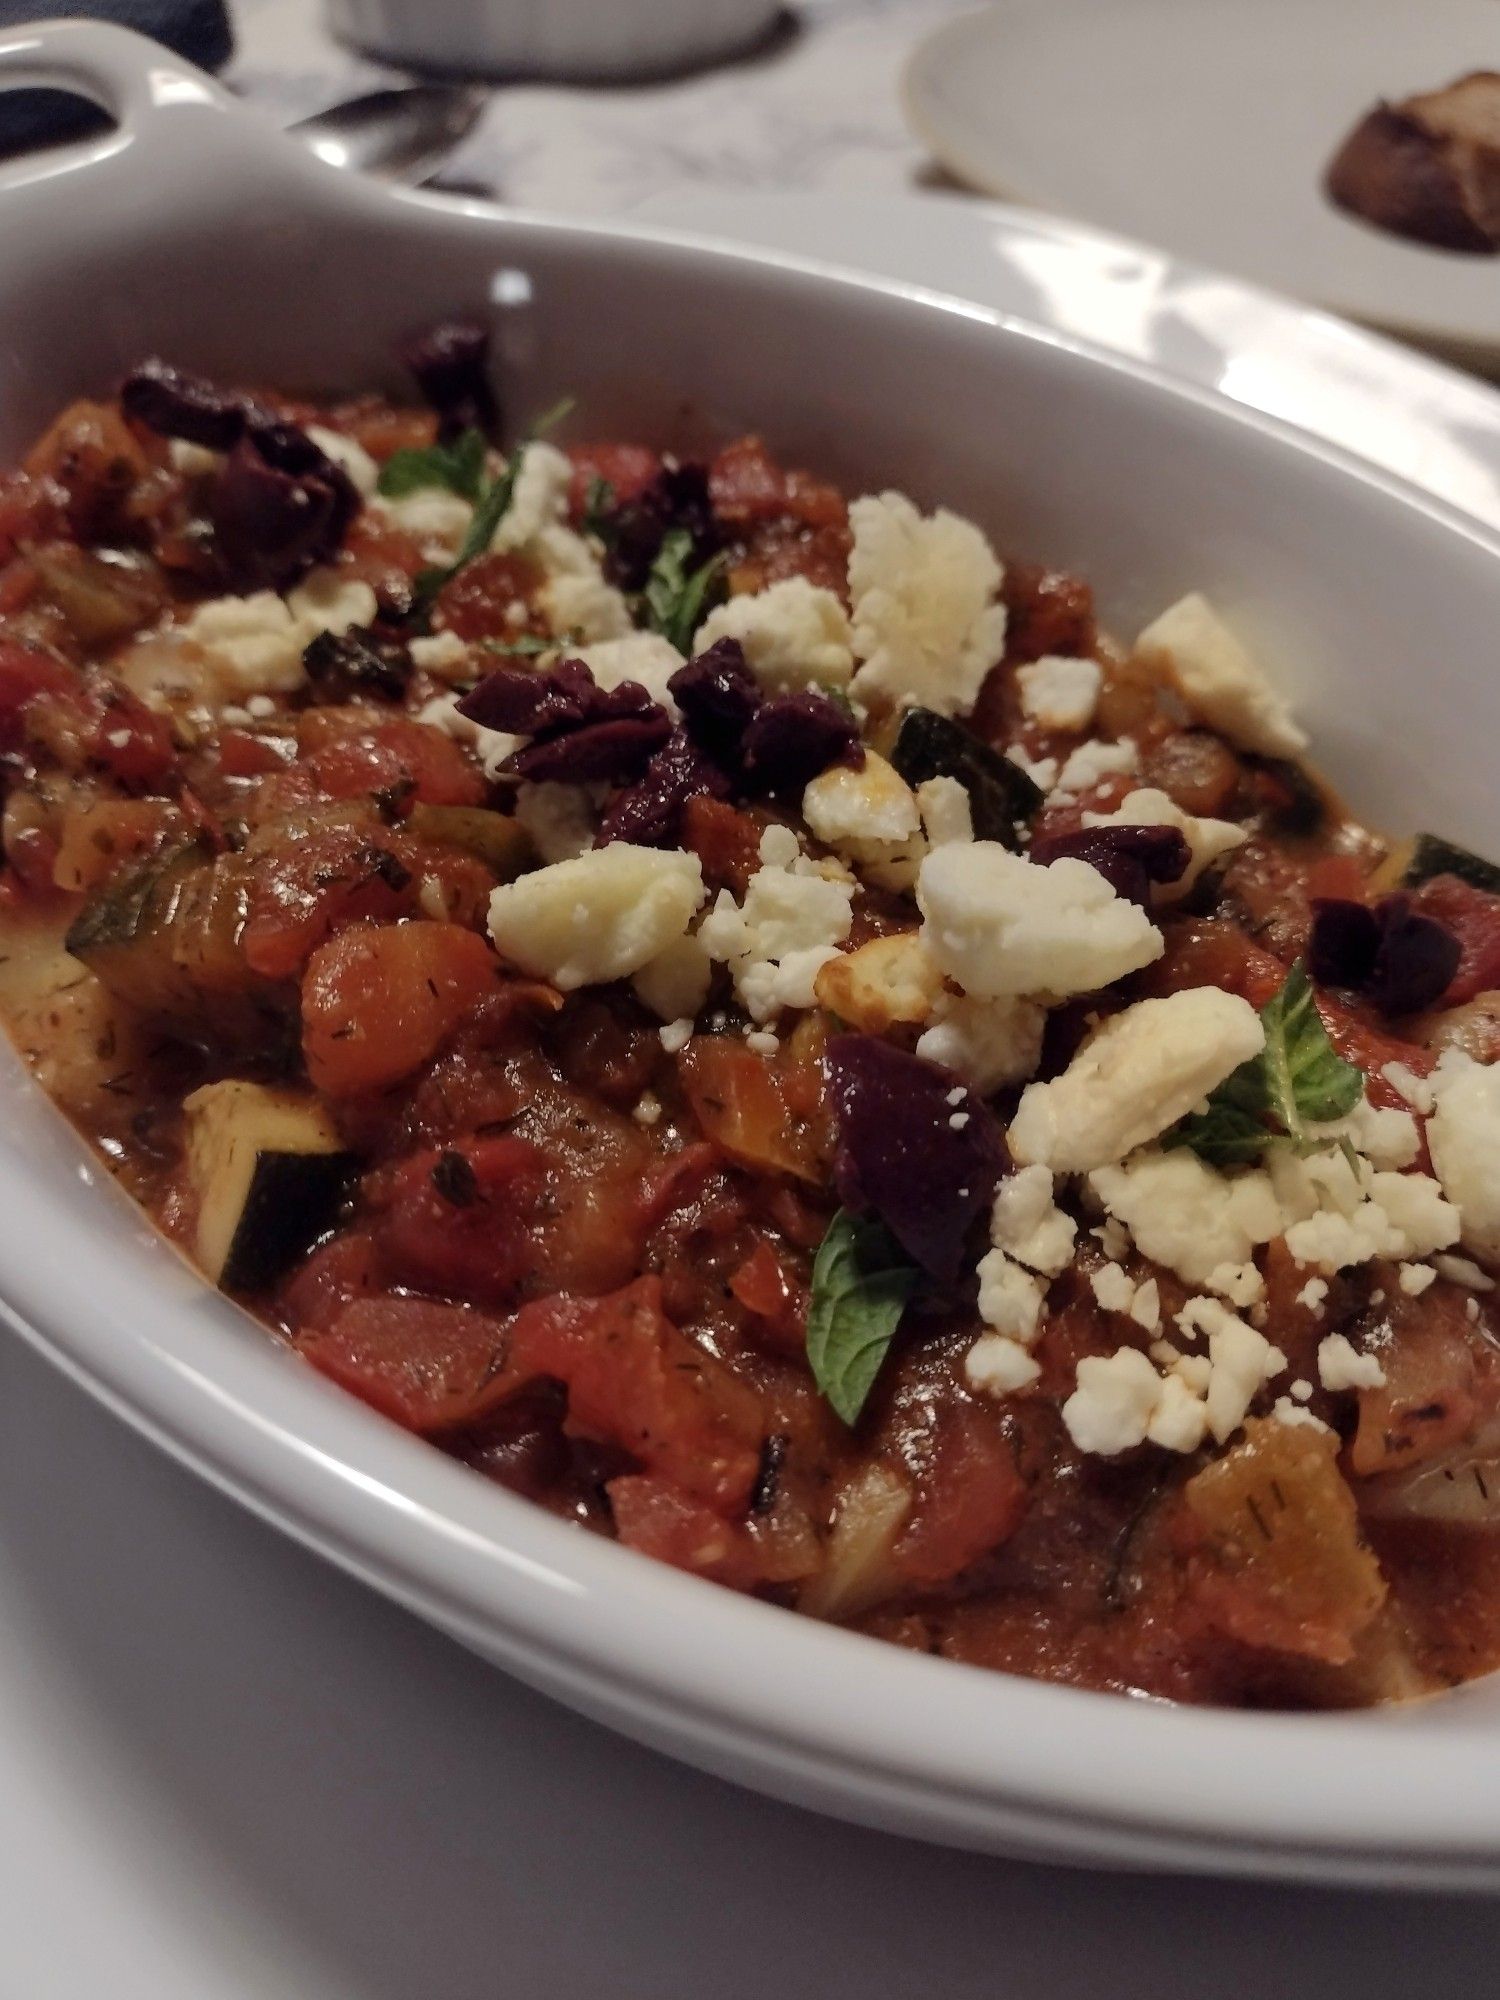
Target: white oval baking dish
<point x="196" y="232"/>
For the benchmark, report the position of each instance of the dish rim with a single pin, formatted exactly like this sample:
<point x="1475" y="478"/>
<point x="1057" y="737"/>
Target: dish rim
<point x="825" y="1715"/>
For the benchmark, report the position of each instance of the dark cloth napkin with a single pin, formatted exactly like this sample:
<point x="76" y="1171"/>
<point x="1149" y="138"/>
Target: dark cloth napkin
<point x="196" y="29"/>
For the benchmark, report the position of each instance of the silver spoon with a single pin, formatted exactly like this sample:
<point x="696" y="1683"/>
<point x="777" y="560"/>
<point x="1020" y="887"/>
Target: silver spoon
<point x="400" y="134"/>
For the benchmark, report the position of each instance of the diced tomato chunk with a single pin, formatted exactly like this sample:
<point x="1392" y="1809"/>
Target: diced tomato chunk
<point x="406" y="762"/>
<point x="627" y="469"/>
<point x="463" y="1219"/>
<point x="429" y="1367"/>
<point x="635" y="1381"/>
<point x="970" y="1499"/>
<point x="1473" y="915"/>
<point x="344" y="1268"/>
<point x="377" y="1002"/>
<point x="658" y="1519"/>
<point x="745" y="1103"/>
<point x="747" y="485"/>
<point x="725" y="840"/>
<point x="24" y="675"/>
<point x="477" y="604"/>
<point x="310" y="887"/>
<point x="775" y="1296"/>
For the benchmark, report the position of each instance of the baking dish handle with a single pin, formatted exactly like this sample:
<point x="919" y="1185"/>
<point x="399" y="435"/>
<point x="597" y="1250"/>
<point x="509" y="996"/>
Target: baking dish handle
<point x="135" y="80"/>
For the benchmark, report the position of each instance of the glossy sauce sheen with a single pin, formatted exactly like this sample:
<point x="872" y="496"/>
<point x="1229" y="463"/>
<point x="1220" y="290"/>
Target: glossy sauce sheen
<point x="605" y="1313"/>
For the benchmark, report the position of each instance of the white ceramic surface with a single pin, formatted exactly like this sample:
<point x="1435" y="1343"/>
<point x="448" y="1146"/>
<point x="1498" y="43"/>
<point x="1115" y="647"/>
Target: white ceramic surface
<point x="1205" y="126"/>
<point x="1378" y="602"/>
<point x="555" y="38"/>
<point x="1432" y="424"/>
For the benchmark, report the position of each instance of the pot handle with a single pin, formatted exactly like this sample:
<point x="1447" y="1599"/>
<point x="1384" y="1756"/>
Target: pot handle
<point x="135" y="80"/>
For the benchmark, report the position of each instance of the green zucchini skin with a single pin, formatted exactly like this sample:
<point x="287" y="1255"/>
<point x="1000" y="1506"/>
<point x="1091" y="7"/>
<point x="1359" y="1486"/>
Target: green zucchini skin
<point x="270" y="1173"/>
<point x="1431" y="855"/>
<point x="293" y="1199"/>
<point x="929" y="745"/>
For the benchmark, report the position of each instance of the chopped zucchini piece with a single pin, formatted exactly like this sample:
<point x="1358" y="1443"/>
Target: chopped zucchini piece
<point x="1306" y="806"/>
<point x="497" y="839"/>
<point x="269" y="1171"/>
<point x="1431" y="856"/>
<point x="166" y="941"/>
<point x="929" y="745"/>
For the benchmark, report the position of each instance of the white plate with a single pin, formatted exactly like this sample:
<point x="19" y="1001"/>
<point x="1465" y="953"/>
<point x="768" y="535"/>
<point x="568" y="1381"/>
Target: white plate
<point x="1205" y="126"/>
<point x="1429" y="423"/>
<point x="1375" y="600"/>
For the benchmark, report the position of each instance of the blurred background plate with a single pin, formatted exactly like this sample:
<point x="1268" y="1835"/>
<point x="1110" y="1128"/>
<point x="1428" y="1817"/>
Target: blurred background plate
<point x="1205" y="126"/>
<point x="1431" y="424"/>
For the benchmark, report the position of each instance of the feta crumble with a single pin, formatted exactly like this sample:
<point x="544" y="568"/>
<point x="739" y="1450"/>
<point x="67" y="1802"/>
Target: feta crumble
<point x="1192" y="647"/>
<point x="1060" y="693"/>
<point x="598" y="917"/>
<point x="1463" y="1136"/>
<point x="925" y="623"/>
<point x="1001" y="925"/>
<point x="999" y="1366"/>
<point x="1209" y="840"/>
<point x="789" y="926"/>
<point x="1138" y="1074"/>
<point x="987" y="1042"/>
<point x="1027" y="1224"/>
<point x="793" y="634"/>
<point x="1342" y="1366"/>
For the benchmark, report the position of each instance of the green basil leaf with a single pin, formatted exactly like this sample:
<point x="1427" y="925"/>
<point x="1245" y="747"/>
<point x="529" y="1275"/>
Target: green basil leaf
<point x="859" y="1291"/>
<point x="457" y="468"/>
<point x="489" y="511"/>
<point x="599" y="508"/>
<point x="676" y="599"/>
<point x="1297" y="1082"/>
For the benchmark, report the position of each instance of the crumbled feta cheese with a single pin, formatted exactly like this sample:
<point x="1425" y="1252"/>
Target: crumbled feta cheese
<point x="1401" y="1216"/>
<point x="1242" y="1360"/>
<point x="598" y="917"/>
<point x="999" y="924"/>
<point x="926" y="626"/>
<point x="1113" y="1238"/>
<point x="539" y="498"/>
<point x="1060" y="693"/>
<point x="675" y="983"/>
<point x="794" y="635"/>
<point x="644" y="657"/>
<point x="1209" y="840"/>
<point x="1042" y="771"/>
<point x="1302" y="1390"/>
<point x="946" y="813"/>
<point x="329" y="601"/>
<point x="761" y="1041"/>
<point x="1027" y="1224"/>
<point x="1388" y="1138"/>
<point x="647" y="1109"/>
<point x="987" y="1042"/>
<point x="1342" y="1366"/>
<point x="1136" y="1075"/>
<point x="675" y="1036"/>
<point x="1462" y="1271"/>
<point x="435" y="518"/>
<point x="865" y="809"/>
<point x="1415" y="1278"/>
<point x="581" y="605"/>
<point x="1091" y="763"/>
<point x="1180" y="1418"/>
<point x="891" y="979"/>
<point x="1192" y="647"/>
<point x="254" y="643"/>
<point x="1287" y="1412"/>
<point x="1241" y="1284"/>
<point x="1185" y="1215"/>
<point x="232" y="714"/>
<point x="957" y="1122"/>
<point x="1463" y="1136"/>
<point x="1313" y="1296"/>
<point x="1111" y="1408"/>
<point x="443" y="655"/>
<point x="491" y="746"/>
<point x="559" y="818"/>
<point x="1010" y="1298"/>
<point x="790" y="925"/>
<point x="432" y="899"/>
<point x="999" y="1366"/>
<point x="260" y="707"/>
<point x="1112" y="1286"/>
<point x="1417" y="1090"/>
<point x="350" y="456"/>
<point x="1145" y="1307"/>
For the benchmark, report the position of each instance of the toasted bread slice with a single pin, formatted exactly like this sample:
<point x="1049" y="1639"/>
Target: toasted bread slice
<point x="1428" y="167"/>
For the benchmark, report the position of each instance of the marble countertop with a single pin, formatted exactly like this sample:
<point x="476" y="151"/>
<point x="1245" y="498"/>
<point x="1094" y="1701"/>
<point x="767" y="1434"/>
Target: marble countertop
<point x="814" y="110"/>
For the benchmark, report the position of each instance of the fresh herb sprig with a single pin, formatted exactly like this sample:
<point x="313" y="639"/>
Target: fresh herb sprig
<point x="860" y="1288"/>
<point x="1297" y="1083"/>
<point x="676" y="597"/>
<point x="490" y="510"/>
<point x="454" y="468"/>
